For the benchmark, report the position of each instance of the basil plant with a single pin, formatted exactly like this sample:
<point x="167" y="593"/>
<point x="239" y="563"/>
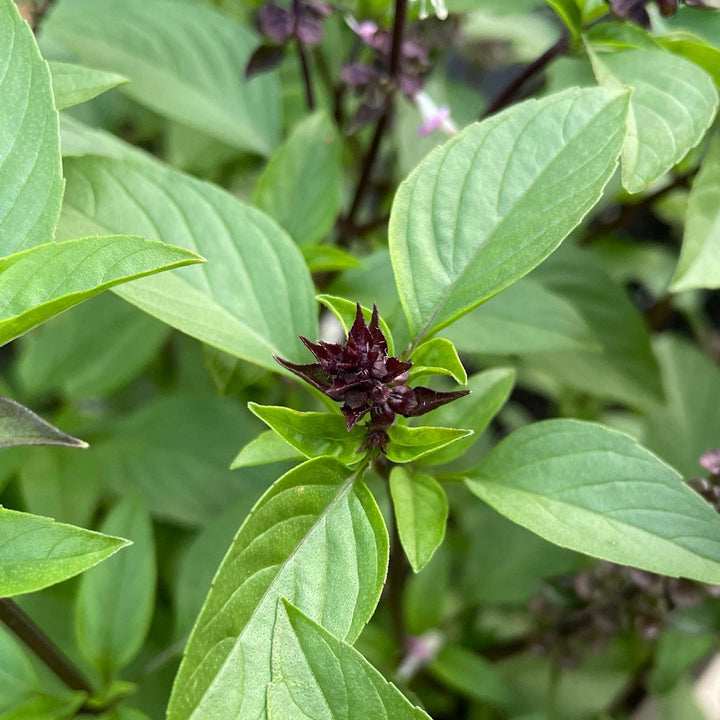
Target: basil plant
<point x="359" y="360"/>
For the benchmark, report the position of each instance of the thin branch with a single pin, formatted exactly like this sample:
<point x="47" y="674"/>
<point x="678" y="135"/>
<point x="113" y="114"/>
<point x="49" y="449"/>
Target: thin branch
<point x="394" y="68"/>
<point x="510" y="93"/>
<point x="45" y="649"/>
<point x="304" y="62"/>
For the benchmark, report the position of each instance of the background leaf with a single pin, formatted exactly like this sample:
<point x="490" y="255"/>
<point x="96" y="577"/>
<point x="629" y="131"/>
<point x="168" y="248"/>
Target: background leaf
<point x="267" y="447"/>
<point x="36" y="551"/>
<point x="91" y="350"/>
<point x="30" y="172"/>
<point x="437" y="356"/>
<point x="699" y="264"/>
<point x="595" y="490"/>
<point x="421" y="511"/>
<point x="116" y="599"/>
<point x="21" y="426"/>
<point x="29" y="289"/>
<point x="317" y="675"/>
<point x="315" y="537"/>
<point x="254" y="295"/>
<point x="524" y="319"/>
<point x="476" y="214"/>
<point x="301" y="187"/>
<point x="672" y="105"/>
<point x="74" y="84"/>
<point x="186" y="62"/>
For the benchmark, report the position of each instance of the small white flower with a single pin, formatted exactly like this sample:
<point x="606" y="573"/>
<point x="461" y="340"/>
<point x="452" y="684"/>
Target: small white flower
<point x="434" y="117"/>
<point x="438" y="5"/>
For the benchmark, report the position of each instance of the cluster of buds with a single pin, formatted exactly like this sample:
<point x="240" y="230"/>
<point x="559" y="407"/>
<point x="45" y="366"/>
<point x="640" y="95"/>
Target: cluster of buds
<point x="372" y="80"/>
<point x="361" y="375"/>
<point x="593" y="606"/>
<point x="636" y="10"/>
<point x="302" y="22"/>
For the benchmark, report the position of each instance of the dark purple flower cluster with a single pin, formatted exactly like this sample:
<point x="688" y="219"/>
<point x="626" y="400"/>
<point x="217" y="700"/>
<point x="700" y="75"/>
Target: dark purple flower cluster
<point x="636" y="11"/>
<point x="372" y="80"/>
<point x="361" y="375"/>
<point x="304" y="22"/>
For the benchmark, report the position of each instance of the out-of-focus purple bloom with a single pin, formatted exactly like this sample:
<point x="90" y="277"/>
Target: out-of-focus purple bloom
<point x="365" y="30"/>
<point x="420" y="651"/>
<point x="710" y="460"/>
<point x="361" y="375"/>
<point x="434" y="117"/>
<point x="636" y="10"/>
<point x="275" y="21"/>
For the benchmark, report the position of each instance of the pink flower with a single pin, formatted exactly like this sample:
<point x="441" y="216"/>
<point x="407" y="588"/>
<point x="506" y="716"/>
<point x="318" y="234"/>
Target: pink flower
<point x="434" y="117"/>
<point x="365" y="30"/>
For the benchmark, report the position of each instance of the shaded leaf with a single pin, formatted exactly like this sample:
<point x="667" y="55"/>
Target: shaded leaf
<point x="328" y="258"/>
<point x="110" y="634"/>
<point x="526" y="318"/>
<point x="21" y="426"/>
<point x="301" y="187"/>
<point x="699" y="264"/>
<point x="317" y="538"/>
<point x="186" y="62"/>
<point x="29" y="289"/>
<point x="36" y="552"/>
<point x="595" y="490"/>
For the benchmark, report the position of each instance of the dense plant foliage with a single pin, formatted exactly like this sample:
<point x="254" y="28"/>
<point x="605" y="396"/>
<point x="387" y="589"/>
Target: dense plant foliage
<point x="391" y="332"/>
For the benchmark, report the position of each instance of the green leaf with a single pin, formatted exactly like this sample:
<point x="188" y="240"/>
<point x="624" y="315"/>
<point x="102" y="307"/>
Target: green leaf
<point x="268" y="447"/>
<point x="36" y="552"/>
<point x="676" y="653"/>
<point x="29" y="289"/>
<point x="30" y="172"/>
<point x="421" y="511"/>
<point x="699" y="264"/>
<point x="486" y="207"/>
<point x="317" y="675"/>
<point x="21" y="426"/>
<point x="176" y="450"/>
<point x="74" y="84"/>
<point x="672" y="105"/>
<point x="301" y="187"/>
<point x="314" y="433"/>
<point x="687" y="424"/>
<point x="625" y="369"/>
<point x="696" y="49"/>
<point x="437" y="356"/>
<point x="595" y="490"/>
<point x="90" y="351"/>
<point x="62" y="485"/>
<point x="345" y="311"/>
<point x="569" y="13"/>
<point x="328" y="258"/>
<point x="110" y="634"/>
<point x="317" y="538"/>
<point x="471" y="675"/>
<point x="186" y="62"/>
<point x="526" y="318"/>
<point x="18" y="679"/>
<point x="489" y="391"/>
<point x="411" y="443"/>
<point x="251" y="299"/>
<point x="203" y="557"/>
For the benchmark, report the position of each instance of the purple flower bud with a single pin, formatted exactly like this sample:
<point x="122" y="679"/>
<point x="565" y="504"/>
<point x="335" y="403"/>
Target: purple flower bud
<point x="309" y="29"/>
<point x="361" y="375"/>
<point x="710" y="460"/>
<point x="275" y="22"/>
